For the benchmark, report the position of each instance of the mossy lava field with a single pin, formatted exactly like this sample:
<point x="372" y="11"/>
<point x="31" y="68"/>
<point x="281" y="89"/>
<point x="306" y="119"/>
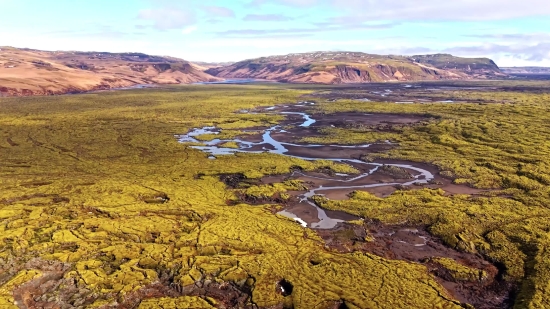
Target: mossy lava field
<point x="394" y="195"/>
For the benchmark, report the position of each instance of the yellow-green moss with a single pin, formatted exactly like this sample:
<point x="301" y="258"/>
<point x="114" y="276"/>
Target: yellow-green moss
<point x="72" y="190"/>
<point x="230" y="145"/>
<point x="6" y="290"/>
<point x="460" y="272"/>
<point x="117" y="242"/>
<point x="191" y="302"/>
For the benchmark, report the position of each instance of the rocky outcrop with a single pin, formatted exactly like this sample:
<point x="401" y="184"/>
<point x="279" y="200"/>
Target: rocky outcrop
<point x="347" y="74"/>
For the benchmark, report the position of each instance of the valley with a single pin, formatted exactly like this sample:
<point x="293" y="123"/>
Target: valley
<point x="29" y="72"/>
<point x="378" y="195"/>
<point x="274" y="154"/>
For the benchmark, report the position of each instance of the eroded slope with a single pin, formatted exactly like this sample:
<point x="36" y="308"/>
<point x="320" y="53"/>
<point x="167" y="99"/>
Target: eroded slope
<point x="35" y="72"/>
<point x="353" y="67"/>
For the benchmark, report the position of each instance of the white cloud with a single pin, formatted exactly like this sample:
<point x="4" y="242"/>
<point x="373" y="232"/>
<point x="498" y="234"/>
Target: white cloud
<point x="296" y="3"/>
<point x="79" y="43"/>
<point x="471" y="10"/>
<point x="189" y="29"/>
<point x="507" y="53"/>
<point x="169" y="18"/>
<point x="218" y="11"/>
<point x="267" y="17"/>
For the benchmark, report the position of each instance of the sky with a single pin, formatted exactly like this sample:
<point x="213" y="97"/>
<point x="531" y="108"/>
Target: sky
<point x="513" y="33"/>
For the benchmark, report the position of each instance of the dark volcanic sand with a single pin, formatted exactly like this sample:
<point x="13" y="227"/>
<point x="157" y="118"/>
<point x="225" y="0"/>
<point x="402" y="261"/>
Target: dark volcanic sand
<point x="417" y="92"/>
<point x="367" y="119"/>
<point x="328" y="152"/>
<point x="309" y="214"/>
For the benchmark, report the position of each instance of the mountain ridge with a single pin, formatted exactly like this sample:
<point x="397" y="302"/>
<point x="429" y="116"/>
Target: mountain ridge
<point x="356" y="67"/>
<point x="526" y="70"/>
<point x="25" y="71"/>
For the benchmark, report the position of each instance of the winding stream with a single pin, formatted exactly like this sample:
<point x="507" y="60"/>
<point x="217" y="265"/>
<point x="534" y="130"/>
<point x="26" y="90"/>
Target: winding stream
<point x="325" y="221"/>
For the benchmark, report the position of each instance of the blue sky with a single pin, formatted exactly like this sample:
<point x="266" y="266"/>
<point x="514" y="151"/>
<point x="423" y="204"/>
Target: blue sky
<point x="510" y="32"/>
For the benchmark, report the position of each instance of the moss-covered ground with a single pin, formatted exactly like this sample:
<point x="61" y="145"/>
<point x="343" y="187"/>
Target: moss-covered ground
<point x="100" y="181"/>
<point x="501" y="144"/>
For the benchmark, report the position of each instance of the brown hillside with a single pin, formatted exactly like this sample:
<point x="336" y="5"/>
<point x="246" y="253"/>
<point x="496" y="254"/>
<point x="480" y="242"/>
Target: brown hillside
<point x="34" y="72"/>
<point x="351" y="67"/>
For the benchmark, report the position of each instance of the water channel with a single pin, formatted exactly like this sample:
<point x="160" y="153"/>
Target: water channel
<point x="325" y="221"/>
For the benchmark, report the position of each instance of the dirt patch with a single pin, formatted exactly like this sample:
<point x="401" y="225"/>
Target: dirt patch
<point x="226" y="295"/>
<point x="233" y="181"/>
<point x="54" y="197"/>
<point x="410" y="92"/>
<point x="290" y="131"/>
<point x="310" y="214"/>
<point x="395" y="172"/>
<point x="51" y="289"/>
<point x="414" y="244"/>
<point x="11" y="142"/>
<point x="380" y="180"/>
<point x="393" y="176"/>
<point x="360" y="120"/>
<point x="261" y="147"/>
<point x="328" y="152"/>
<point x="276" y="198"/>
<point x="439" y="182"/>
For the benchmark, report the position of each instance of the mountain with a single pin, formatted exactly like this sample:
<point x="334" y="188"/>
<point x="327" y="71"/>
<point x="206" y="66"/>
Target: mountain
<point x="35" y="72"/>
<point x="201" y="65"/>
<point x="526" y="70"/>
<point x="458" y="64"/>
<point x="354" y="67"/>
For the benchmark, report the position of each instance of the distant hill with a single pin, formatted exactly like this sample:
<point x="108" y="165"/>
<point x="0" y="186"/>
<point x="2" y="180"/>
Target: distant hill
<point x="36" y="72"/>
<point x="209" y="65"/>
<point x="526" y="70"/>
<point x="354" y="67"/>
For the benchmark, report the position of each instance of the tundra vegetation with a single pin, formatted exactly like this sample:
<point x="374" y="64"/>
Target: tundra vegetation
<point x="98" y="198"/>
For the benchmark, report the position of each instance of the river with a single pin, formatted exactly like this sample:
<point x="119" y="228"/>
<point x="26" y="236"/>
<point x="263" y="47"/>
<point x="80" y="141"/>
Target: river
<point x="325" y="221"/>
